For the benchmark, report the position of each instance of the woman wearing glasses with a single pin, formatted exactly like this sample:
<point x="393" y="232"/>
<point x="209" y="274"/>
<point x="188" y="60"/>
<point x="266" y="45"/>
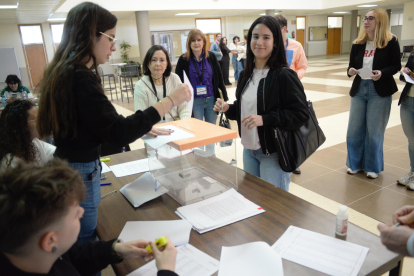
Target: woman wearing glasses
<point x="74" y="108"/>
<point x="375" y="58"/>
<point x="157" y="83"/>
<point x="19" y="118"/>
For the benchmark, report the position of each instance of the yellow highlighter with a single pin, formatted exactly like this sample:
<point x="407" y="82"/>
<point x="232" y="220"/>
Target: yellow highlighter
<point x="105" y="159"/>
<point x="158" y="242"/>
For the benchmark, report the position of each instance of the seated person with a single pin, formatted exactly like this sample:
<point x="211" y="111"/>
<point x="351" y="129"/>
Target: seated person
<point x="15" y="88"/>
<point x="40" y="212"/>
<point x="19" y="139"/>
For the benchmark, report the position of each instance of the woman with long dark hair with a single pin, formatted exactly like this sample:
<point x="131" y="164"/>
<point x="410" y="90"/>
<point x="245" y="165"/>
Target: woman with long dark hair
<point x="19" y="137"/>
<point x="268" y="95"/>
<point x="225" y="60"/>
<point x="74" y="108"/>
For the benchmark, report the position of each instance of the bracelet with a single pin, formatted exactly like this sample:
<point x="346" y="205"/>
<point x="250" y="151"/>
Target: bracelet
<point x="171" y="100"/>
<point x="410" y="245"/>
<point x="163" y="107"/>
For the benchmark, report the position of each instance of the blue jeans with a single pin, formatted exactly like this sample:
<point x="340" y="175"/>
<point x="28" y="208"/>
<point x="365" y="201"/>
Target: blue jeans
<point x="266" y="167"/>
<point x="407" y="121"/>
<point x="203" y="109"/>
<point x="91" y="175"/>
<point x="237" y="66"/>
<point x="368" y="118"/>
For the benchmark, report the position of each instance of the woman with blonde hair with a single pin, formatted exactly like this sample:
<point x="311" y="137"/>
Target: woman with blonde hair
<point x="204" y="73"/>
<point x="375" y="58"/>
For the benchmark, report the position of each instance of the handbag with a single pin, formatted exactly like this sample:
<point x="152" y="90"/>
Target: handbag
<point x="226" y="124"/>
<point x="295" y="146"/>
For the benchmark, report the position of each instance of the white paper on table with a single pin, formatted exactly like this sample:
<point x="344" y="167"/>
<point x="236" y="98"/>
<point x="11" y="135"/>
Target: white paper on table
<point x="134" y="167"/>
<point x="105" y="168"/>
<point x="190" y="102"/>
<point x="142" y="190"/>
<point x="177" y="230"/>
<point x="217" y="210"/>
<point x="255" y="258"/>
<point x="190" y="261"/>
<point x="365" y="73"/>
<point x="320" y="252"/>
<point x="160" y="140"/>
<point x="407" y="77"/>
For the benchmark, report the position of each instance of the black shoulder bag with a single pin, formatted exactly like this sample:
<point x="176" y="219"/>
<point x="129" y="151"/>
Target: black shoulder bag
<point x="224" y="123"/>
<point x="295" y="146"/>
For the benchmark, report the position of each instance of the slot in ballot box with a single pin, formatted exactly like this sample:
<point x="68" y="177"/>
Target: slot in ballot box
<point x="188" y="168"/>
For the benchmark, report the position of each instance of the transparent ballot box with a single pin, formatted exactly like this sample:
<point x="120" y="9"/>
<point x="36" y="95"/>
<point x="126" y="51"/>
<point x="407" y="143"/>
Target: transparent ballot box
<point x="195" y="168"/>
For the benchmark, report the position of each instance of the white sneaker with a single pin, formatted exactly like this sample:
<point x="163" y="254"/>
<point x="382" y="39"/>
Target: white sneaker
<point x="410" y="186"/>
<point x="349" y="171"/>
<point x="372" y="175"/>
<point x="409" y="177"/>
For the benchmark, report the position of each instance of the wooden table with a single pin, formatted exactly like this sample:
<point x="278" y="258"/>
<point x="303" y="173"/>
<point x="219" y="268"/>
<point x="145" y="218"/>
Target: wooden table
<point x="282" y="210"/>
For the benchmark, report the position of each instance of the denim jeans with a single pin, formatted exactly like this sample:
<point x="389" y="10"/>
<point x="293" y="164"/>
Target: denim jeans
<point x="407" y="121"/>
<point x="91" y="175"/>
<point x="368" y="118"/>
<point x="237" y="66"/>
<point x="266" y="167"/>
<point x="203" y="109"/>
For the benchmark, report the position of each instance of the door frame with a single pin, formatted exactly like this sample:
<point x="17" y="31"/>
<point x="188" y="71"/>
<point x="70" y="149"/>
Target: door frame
<point x="24" y="50"/>
<point x="342" y="32"/>
<point x="305" y="36"/>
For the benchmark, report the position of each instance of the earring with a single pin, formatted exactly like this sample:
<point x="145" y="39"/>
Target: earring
<point x="54" y="249"/>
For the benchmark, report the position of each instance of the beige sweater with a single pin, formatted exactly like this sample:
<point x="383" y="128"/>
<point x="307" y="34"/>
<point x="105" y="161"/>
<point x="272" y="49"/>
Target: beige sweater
<point x="144" y="97"/>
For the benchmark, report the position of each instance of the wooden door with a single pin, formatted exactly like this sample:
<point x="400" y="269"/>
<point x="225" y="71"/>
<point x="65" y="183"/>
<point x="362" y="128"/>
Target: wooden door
<point x="331" y="41"/>
<point x="208" y="40"/>
<point x="36" y="62"/>
<point x="300" y="37"/>
<point x="337" y="41"/>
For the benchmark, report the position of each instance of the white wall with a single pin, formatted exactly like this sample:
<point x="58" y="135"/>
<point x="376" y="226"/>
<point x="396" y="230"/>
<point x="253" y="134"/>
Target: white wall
<point x="407" y="34"/>
<point x="316" y="48"/>
<point x="346" y="34"/>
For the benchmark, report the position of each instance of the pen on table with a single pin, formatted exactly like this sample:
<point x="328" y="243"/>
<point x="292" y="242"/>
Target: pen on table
<point x="108" y="194"/>
<point x="105" y="159"/>
<point x="104" y="184"/>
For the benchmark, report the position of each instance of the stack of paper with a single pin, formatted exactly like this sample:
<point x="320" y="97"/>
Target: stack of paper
<point x="142" y="190"/>
<point x="177" y="230"/>
<point x="105" y="168"/>
<point x="218" y="211"/>
<point x="160" y="140"/>
<point x="323" y="253"/>
<point x="134" y="167"/>
<point x="190" y="262"/>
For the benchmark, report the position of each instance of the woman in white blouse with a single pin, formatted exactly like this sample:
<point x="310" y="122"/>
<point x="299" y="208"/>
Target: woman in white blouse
<point x="19" y="139"/>
<point x="236" y="49"/>
<point x="157" y="83"/>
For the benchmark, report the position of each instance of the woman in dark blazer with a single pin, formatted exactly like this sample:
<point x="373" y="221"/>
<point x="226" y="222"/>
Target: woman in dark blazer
<point x="375" y="58"/>
<point x="225" y="60"/>
<point x="407" y="120"/>
<point x="204" y="73"/>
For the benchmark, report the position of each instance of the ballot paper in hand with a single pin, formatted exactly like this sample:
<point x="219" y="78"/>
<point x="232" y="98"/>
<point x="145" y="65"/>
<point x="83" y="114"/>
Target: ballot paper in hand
<point x="255" y="258"/>
<point x="407" y="77"/>
<point x="320" y="252"/>
<point x="177" y="230"/>
<point x="365" y="73"/>
<point x="190" y="102"/>
<point x="160" y="140"/>
<point x="190" y="261"/>
<point x="142" y="190"/>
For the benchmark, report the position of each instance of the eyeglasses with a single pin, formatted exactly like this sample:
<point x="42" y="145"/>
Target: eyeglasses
<point x="111" y="39"/>
<point x="368" y="18"/>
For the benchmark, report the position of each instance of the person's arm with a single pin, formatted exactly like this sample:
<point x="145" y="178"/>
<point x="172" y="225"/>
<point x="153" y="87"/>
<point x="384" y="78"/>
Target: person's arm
<point x="179" y="69"/>
<point x="292" y="112"/>
<point x="352" y="56"/>
<point x="182" y="109"/>
<point x="215" y="49"/>
<point x="141" y="98"/>
<point x="394" y="53"/>
<point x="301" y="63"/>
<point x="397" y="239"/>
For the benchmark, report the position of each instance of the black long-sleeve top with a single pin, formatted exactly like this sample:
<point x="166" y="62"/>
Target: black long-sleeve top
<point x="407" y="87"/>
<point x="98" y="121"/>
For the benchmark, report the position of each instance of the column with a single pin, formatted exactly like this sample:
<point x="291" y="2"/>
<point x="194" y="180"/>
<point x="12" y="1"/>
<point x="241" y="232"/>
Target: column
<point x="354" y="27"/>
<point x="270" y="12"/>
<point x="144" y="35"/>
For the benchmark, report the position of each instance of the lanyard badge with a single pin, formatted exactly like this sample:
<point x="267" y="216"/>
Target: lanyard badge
<point x="200" y="89"/>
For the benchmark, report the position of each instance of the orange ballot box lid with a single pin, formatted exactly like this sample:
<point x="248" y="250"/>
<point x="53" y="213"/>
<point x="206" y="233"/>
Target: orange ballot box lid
<point x="205" y="133"/>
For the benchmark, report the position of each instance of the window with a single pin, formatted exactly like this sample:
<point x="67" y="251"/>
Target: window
<point x="300" y="23"/>
<point x="396" y="19"/>
<point x="335" y="22"/>
<point x="56" y="30"/>
<point x="31" y="35"/>
<point x="209" y="26"/>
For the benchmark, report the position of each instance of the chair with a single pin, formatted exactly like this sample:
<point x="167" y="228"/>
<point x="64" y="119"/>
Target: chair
<point x="130" y="71"/>
<point x="406" y="49"/>
<point x="109" y="76"/>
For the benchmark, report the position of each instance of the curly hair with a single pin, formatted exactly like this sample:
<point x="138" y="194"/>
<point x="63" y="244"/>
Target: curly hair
<point x="15" y="138"/>
<point x="32" y="198"/>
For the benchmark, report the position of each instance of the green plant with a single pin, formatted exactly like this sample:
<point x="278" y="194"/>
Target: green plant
<point x="125" y="47"/>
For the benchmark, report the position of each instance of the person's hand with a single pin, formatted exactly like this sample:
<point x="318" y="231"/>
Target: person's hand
<point x="377" y="75"/>
<point x="155" y="131"/>
<point x="352" y="71"/>
<point x="165" y="258"/>
<point x="252" y="121"/>
<point x="217" y="105"/>
<point x="132" y="249"/>
<point x="405" y="215"/>
<point x="395" y="238"/>
<point x="408" y="71"/>
<point x="180" y="94"/>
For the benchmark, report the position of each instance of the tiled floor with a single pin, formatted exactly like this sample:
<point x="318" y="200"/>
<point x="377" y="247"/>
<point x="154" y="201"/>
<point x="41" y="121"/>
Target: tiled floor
<point x="324" y="181"/>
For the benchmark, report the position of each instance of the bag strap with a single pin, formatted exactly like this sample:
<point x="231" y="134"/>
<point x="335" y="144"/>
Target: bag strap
<point x="158" y="99"/>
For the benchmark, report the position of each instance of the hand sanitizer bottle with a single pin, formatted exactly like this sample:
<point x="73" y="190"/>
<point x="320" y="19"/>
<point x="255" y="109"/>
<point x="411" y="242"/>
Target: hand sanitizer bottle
<point x="342" y="221"/>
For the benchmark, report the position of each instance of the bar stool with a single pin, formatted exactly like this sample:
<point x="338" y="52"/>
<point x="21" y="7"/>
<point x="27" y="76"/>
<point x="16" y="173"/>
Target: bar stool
<point x="130" y="71"/>
<point x="109" y="76"/>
